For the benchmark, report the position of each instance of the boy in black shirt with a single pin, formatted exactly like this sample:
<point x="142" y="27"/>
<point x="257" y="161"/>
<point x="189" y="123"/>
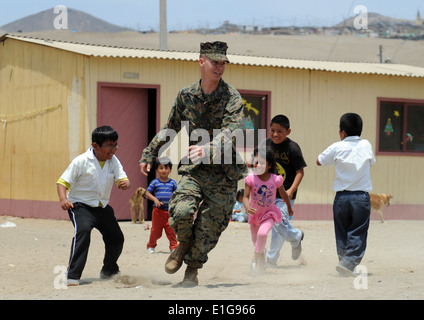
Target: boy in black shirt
<point x="290" y="164"/>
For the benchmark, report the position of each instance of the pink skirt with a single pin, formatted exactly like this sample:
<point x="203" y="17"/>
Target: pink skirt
<point x="259" y="217"/>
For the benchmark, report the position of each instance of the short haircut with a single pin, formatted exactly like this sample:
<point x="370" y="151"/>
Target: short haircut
<point x="163" y="160"/>
<point x="351" y="123"/>
<point x="102" y="134"/>
<point x="282" y="120"/>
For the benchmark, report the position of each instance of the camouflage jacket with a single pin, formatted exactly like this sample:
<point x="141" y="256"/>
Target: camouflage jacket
<point x="222" y="110"/>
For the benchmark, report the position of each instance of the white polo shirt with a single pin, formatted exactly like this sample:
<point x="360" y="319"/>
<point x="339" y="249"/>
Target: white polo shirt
<point x="90" y="184"/>
<point x="352" y="158"/>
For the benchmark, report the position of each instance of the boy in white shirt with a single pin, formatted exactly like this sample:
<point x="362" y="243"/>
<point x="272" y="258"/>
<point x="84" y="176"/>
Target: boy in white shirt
<point x="352" y="158"/>
<point x="89" y="180"/>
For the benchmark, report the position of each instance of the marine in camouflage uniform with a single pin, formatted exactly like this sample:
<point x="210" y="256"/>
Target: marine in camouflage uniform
<point x="212" y="182"/>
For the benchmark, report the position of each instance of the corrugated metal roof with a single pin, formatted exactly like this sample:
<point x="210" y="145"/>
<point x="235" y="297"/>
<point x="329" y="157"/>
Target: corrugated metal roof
<point x="121" y="52"/>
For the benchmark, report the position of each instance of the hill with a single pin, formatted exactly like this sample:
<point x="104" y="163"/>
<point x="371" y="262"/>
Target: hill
<point x="386" y="26"/>
<point x="77" y="20"/>
<point x="376" y="20"/>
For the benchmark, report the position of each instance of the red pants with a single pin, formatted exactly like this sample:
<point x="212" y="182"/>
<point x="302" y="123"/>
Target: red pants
<point x="160" y="222"/>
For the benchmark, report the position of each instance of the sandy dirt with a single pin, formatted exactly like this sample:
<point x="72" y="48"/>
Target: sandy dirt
<point x="34" y="255"/>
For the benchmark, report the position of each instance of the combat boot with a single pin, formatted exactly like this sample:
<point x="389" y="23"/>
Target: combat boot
<point x="175" y="259"/>
<point x="190" y="278"/>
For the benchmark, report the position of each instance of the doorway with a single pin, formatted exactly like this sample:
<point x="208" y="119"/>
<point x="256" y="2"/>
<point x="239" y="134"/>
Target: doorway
<point x="131" y="110"/>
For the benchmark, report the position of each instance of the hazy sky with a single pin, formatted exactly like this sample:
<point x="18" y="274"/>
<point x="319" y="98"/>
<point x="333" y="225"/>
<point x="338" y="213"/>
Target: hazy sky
<point x="185" y="14"/>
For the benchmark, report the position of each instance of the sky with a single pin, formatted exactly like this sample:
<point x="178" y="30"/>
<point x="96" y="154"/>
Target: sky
<point x="189" y="14"/>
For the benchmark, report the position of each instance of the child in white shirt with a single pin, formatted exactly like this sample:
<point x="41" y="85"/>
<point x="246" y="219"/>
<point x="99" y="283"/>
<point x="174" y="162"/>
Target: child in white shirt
<point x="352" y="158"/>
<point x="89" y="180"/>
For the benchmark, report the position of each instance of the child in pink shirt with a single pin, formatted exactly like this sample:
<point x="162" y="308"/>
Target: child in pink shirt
<point x="260" y="191"/>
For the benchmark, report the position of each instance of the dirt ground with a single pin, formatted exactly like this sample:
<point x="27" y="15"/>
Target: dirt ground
<point x="34" y="255"/>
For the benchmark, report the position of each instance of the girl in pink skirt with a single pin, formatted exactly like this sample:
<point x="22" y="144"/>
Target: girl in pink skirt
<point x="261" y="187"/>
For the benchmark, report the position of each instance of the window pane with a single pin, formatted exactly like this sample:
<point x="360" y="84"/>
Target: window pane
<point x="390" y="132"/>
<point x="254" y="116"/>
<point x="415" y="128"/>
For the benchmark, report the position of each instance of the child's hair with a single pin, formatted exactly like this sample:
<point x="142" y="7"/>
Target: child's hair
<point x="351" y="123"/>
<point x="163" y="160"/>
<point x="102" y="134"/>
<point x="282" y="120"/>
<point x="240" y="193"/>
<point x="269" y="157"/>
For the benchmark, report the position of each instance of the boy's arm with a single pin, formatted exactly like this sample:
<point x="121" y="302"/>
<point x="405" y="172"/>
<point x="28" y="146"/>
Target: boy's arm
<point x="123" y="184"/>
<point x="65" y="204"/>
<point x="151" y="197"/>
<point x="286" y="199"/>
<point x="296" y="182"/>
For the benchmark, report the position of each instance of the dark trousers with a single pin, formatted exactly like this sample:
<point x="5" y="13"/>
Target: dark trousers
<point x="85" y="218"/>
<point x="351" y="210"/>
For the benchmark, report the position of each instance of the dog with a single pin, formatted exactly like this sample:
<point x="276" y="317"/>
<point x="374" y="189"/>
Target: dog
<point x="137" y="205"/>
<point x="378" y="201"/>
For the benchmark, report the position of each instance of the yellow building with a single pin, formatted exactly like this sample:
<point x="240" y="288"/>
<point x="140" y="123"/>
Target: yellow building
<point x="53" y="94"/>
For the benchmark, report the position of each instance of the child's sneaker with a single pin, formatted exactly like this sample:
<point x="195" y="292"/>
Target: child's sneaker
<point x="297" y="250"/>
<point x="344" y="271"/>
<point x="72" y="282"/>
<point x="150" y="250"/>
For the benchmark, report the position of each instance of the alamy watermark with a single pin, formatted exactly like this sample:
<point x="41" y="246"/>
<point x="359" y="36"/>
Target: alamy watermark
<point x="359" y="283"/>
<point x="361" y="20"/>
<point x="361" y="280"/>
<point x="59" y="281"/>
<point x="61" y="20"/>
<point x="222" y="143"/>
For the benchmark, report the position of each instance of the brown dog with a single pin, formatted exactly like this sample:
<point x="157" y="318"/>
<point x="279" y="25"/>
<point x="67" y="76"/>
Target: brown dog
<point x="137" y="205"/>
<point x="378" y="201"/>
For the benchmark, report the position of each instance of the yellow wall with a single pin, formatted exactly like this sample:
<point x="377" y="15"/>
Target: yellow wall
<point x="36" y="151"/>
<point x="39" y="95"/>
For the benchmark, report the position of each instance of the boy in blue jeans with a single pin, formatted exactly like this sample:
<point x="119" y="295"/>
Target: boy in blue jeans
<point x="290" y="164"/>
<point x="352" y="158"/>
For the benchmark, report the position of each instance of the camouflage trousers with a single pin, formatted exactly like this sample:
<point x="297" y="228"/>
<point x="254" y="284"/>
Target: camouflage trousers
<point x="212" y="196"/>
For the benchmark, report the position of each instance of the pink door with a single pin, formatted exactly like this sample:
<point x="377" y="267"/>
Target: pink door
<point x="126" y="110"/>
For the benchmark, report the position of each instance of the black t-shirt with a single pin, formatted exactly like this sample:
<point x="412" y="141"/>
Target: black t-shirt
<point x="289" y="159"/>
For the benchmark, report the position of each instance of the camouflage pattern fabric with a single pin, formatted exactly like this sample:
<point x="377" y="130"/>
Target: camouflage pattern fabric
<point x="216" y="51"/>
<point x="222" y="109"/>
<point x="214" y="183"/>
<point x="215" y="193"/>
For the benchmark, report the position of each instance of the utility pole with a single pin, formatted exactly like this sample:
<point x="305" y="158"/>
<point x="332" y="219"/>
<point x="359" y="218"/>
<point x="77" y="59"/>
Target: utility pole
<point x="381" y="54"/>
<point x="163" y="33"/>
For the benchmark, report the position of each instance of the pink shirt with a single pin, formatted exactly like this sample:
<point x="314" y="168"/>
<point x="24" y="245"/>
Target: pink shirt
<point x="262" y="198"/>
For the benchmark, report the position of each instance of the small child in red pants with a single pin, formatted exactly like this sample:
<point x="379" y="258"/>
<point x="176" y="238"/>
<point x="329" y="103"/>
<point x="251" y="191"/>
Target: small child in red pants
<point x="160" y="191"/>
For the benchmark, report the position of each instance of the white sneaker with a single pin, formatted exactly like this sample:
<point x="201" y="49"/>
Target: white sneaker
<point x="297" y="250"/>
<point x="72" y="282"/>
<point x="150" y="250"/>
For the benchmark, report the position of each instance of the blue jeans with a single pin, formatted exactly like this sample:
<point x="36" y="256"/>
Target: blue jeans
<point x="281" y="232"/>
<point x="351" y="210"/>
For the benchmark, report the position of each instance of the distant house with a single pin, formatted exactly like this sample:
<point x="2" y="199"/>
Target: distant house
<point x="53" y="94"/>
